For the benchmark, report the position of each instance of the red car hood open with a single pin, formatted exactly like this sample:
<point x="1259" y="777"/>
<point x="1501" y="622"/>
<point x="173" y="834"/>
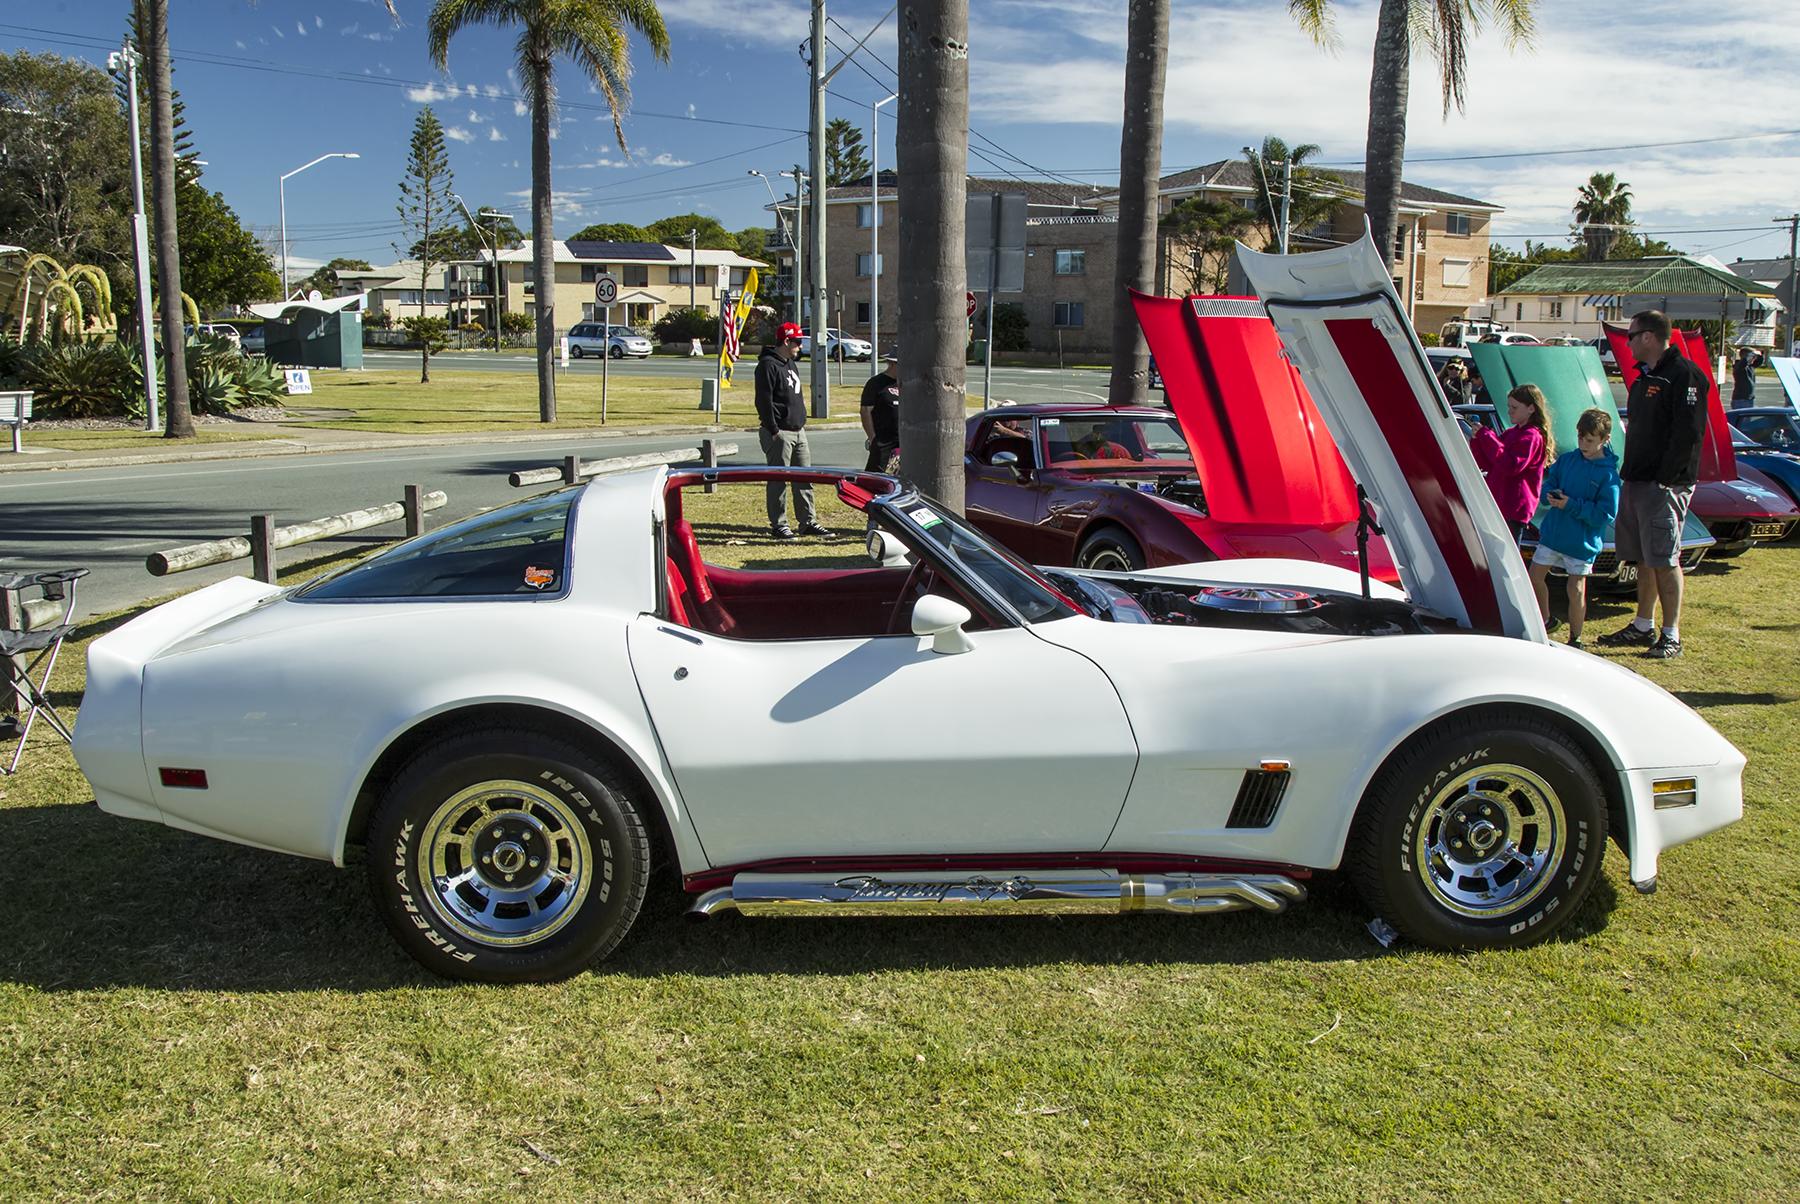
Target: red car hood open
<point x="1717" y="461"/>
<point x="1256" y="436"/>
<point x="1346" y="331"/>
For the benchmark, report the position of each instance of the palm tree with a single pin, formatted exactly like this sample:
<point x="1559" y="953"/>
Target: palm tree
<point x="931" y="143"/>
<point x="1445" y="27"/>
<point x="1312" y="196"/>
<point x="1602" y="213"/>
<point x="153" y="18"/>
<point x="593" y="34"/>
<point x="1140" y="168"/>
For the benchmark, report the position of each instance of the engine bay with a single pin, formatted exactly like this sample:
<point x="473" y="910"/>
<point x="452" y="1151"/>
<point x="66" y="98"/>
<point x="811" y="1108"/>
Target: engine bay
<point x="1125" y="599"/>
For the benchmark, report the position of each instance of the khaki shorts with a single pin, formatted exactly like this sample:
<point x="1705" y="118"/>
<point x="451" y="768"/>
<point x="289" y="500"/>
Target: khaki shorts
<point x="1648" y="530"/>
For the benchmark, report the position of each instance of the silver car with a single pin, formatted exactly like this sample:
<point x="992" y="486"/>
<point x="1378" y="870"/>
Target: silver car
<point x="593" y="338"/>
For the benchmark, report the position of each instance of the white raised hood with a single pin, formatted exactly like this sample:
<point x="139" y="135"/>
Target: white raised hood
<point x="1345" y="330"/>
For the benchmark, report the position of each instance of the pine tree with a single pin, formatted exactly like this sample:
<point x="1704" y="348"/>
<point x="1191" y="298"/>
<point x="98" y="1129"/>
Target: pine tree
<point x="845" y="161"/>
<point x="424" y="202"/>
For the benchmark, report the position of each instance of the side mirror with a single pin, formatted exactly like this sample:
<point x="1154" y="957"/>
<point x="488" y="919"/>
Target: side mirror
<point x="887" y="551"/>
<point x="941" y="619"/>
<point x="1010" y="462"/>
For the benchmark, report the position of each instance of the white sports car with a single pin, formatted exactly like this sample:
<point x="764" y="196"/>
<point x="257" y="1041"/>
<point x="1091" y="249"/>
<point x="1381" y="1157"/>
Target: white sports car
<point x="516" y="717"/>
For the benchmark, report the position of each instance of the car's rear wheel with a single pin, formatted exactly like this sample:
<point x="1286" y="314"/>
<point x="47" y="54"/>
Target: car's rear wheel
<point x="1485" y="832"/>
<point x="508" y="856"/>
<point x="1110" y="550"/>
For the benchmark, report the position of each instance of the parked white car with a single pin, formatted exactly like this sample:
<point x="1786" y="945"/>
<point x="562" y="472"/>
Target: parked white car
<point x="253" y="341"/>
<point x="838" y="345"/>
<point x="1508" y="338"/>
<point x="515" y="717"/>
<point x="592" y="338"/>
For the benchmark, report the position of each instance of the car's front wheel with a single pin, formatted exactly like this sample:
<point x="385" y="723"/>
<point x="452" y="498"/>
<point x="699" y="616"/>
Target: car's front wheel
<point x="617" y="353"/>
<point x="508" y="856"/>
<point x="1110" y="550"/>
<point x="575" y="352"/>
<point x="1485" y="832"/>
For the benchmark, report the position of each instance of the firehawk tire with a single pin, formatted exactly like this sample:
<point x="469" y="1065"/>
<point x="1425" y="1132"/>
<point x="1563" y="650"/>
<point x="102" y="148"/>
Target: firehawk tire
<point x="1485" y="833"/>
<point x="508" y="856"/>
<point x="1110" y="550"/>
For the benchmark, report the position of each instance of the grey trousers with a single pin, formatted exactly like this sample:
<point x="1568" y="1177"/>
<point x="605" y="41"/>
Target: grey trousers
<point x="788" y="447"/>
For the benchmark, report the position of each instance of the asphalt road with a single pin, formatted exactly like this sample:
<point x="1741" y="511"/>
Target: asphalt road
<point x="110" y="519"/>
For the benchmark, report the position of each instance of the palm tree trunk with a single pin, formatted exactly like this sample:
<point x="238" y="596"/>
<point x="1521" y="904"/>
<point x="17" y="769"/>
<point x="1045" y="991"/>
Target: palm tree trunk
<point x="543" y="241"/>
<point x="1386" y="150"/>
<point x="932" y="148"/>
<point x="168" y="246"/>
<point x="1140" y="167"/>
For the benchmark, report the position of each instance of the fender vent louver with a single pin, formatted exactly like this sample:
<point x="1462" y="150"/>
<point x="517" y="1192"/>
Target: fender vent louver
<point x="1258" y="798"/>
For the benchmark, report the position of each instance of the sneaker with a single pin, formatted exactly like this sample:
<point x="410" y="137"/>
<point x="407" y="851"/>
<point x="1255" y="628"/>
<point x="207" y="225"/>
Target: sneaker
<point x="783" y="532"/>
<point x="1552" y="623"/>
<point x="815" y="529"/>
<point x="1576" y="641"/>
<point x="1663" y="650"/>
<point x="1628" y="636"/>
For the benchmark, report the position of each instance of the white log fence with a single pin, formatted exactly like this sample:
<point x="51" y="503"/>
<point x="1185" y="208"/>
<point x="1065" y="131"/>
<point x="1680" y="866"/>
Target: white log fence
<point x="266" y="538"/>
<point x="573" y="469"/>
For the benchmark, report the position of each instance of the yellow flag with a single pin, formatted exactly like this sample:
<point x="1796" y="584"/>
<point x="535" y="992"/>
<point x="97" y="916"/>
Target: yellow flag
<point x="734" y="329"/>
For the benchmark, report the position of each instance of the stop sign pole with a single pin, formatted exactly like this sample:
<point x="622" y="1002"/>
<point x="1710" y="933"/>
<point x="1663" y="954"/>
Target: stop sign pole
<point x="606" y="291"/>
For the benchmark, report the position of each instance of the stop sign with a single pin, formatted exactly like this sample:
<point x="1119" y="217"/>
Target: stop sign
<point x="969" y="300"/>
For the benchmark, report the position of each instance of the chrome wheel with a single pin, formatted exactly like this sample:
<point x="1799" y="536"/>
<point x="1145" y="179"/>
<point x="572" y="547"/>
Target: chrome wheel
<point x="505" y="863"/>
<point x="1487" y="844"/>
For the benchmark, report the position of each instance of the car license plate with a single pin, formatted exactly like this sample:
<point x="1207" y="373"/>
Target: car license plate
<point x="1626" y="574"/>
<point x="1767" y="530"/>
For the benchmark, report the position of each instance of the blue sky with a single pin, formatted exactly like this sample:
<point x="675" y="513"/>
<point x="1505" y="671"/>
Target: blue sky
<point x="272" y="84"/>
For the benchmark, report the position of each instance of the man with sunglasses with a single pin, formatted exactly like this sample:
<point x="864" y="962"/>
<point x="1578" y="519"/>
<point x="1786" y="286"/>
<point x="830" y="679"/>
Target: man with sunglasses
<point x="1666" y="420"/>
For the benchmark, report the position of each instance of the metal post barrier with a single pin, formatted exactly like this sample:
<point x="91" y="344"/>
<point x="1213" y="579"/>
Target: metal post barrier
<point x="414" y="504"/>
<point x="262" y="547"/>
<point x="571" y="469"/>
<point x="709" y="456"/>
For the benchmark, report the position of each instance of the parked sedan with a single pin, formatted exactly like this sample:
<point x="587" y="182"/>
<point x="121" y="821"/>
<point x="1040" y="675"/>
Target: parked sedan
<point x="593" y="338"/>
<point x="838" y="346"/>
<point x="1780" y="467"/>
<point x="946" y="732"/>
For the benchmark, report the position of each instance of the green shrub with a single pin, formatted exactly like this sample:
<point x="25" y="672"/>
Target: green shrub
<point x="82" y="380"/>
<point x="516" y="327"/>
<point x="680" y="325"/>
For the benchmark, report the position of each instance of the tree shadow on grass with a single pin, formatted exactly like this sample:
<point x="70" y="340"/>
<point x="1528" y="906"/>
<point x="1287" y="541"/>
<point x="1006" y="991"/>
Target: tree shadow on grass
<point x="137" y="904"/>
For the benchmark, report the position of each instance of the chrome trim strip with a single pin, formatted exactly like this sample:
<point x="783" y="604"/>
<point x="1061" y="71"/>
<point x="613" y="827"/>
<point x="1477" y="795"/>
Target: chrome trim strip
<point x="1054" y="892"/>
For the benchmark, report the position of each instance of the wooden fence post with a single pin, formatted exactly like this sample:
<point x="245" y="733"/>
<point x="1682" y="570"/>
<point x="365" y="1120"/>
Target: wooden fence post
<point x="571" y="469"/>
<point x="262" y="547"/>
<point x="709" y="456"/>
<point x="415" y="511"/>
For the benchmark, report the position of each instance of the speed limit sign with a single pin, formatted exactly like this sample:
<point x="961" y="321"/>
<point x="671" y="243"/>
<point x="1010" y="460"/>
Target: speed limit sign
<point x="969" y="301"/>
<point x="606" y="290"/>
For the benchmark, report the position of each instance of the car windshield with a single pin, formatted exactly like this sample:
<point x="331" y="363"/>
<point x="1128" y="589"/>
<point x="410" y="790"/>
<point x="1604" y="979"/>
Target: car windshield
<point x="996" y="571"/>
<point x="1774" y="430"/>
<point x="1113" y="439"/>
<point x="520" y="550"/>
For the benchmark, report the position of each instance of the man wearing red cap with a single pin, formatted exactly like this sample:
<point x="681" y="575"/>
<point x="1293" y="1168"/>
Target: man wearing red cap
<point x="781" y="410"/>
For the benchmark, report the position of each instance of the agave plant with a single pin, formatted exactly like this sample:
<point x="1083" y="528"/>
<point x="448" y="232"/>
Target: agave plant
<point x="82" y="380"/>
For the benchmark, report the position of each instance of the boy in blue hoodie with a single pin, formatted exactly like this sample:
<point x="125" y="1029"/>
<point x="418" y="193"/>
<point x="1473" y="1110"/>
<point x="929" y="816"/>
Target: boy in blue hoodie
<point x="1581" y="499"/>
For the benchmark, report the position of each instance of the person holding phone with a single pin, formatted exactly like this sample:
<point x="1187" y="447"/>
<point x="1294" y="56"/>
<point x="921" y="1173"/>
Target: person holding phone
<point x="1581" y="497"/>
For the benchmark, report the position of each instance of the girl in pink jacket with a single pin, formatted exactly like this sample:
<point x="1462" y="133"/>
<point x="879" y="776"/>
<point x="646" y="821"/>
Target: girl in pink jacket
<point x="1515" y="461"/>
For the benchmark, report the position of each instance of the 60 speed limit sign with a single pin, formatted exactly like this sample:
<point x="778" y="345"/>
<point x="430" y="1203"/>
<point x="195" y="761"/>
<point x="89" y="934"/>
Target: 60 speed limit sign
<point x="606" y="290"/>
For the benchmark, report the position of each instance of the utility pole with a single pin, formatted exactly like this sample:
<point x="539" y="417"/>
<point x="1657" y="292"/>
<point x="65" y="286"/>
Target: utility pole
<point x="693" y="242"/>
<point x="1792" y="221"/>
<point x="875" y="362"/>
<point x="127" y="57"/>
<point x="799" y="244"/>
<point x="821" y="380"/>
<point x="1287" y="197"/>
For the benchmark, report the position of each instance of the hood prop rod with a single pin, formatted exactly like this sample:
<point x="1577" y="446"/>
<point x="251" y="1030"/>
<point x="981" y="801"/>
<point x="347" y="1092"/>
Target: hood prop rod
<point x="1365" y="524"/>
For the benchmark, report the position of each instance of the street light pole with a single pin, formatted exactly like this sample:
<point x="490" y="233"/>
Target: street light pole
<point x="498" y="282"/>
<point x="799" y="178"/>
<point x="875" y="364"/>
<point x="693" y="242"/>
<point x="128" y="58"/>
<point x="282" y="188"/>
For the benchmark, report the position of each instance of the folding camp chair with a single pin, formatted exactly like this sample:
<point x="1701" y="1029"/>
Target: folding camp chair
<point x="23" y="651"/>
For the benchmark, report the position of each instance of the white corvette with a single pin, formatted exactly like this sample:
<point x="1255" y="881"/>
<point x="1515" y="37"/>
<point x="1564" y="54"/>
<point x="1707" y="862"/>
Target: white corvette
<point x="515" y="718"/>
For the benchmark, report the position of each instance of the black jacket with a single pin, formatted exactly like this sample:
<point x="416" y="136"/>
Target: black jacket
<point x="1666" y="417"/>
<point x="779" y="406"/>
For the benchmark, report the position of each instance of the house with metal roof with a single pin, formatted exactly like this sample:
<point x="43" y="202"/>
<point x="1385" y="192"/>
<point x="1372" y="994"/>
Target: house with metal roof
<point x="1575" y="298"/>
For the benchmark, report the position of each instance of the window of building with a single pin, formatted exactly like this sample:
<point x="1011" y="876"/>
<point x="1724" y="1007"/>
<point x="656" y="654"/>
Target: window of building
<point x="587" y="311"/>
<point x="1071" y="263"/>
<point x="1457" y="224"/>
<point x="1400" y="243"/>
<point x="635" y="275"/>
<point x="679" y="275"/>
<point x="1552" y="311"/>
<point x="863" y="262"/>
<point x="1519" y="312"/>
<point x="588" y="272"/>
<point x="862" y="313"/>
<point x="866" y="216"/>
<point x="1070" y="313"/>
<point x="1456" y="273"/>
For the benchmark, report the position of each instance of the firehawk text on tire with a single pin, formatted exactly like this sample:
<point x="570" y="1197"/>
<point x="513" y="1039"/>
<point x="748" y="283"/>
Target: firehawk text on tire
<point x="1487" y="832"/>
<point x="508" y="856"/>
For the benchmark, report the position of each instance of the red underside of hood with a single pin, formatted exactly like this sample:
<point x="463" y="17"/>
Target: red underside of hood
<point x="1257" y="438"/>
<point x="1717" y="461"/>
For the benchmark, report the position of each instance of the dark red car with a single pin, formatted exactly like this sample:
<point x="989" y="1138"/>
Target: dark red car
<point x="1239" y="466"/>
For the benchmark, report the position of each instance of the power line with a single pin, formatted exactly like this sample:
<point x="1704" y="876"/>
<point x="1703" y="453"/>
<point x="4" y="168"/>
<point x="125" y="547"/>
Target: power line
<point x="1591" y="150"/>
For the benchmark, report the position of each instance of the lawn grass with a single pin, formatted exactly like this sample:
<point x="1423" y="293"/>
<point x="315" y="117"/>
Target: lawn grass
<point x="457" y="401"/>
<point x="180" y="1017"/>
<point x="141" y="440"/>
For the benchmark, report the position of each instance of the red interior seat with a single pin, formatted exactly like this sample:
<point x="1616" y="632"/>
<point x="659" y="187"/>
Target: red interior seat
<point x="708" y="613"/>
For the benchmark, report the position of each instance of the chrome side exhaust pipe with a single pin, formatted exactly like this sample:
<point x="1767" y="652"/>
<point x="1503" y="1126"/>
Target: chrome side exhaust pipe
<point x="1049" y="892"/>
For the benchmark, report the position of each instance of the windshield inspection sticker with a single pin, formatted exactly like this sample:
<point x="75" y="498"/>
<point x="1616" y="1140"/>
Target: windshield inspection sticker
<point x="538" y="578"/>
<point x="924" y="517"/>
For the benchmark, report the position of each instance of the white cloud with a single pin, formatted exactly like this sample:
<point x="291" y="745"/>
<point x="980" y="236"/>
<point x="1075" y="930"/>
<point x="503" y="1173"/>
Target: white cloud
<point x="457" y="134"/>
<point x="350" y="29"/>
<point x="475" y="118"/>
<point x="769" y="23"/>
<point x="429" y="94"/>
<point x="318" y="21"/>
<point x="665" y="159"/>
<point x="492" y="91"/>
<point x="300" y="28"/>
<point x="277" y="33"/>
<point x="494" y="134"/>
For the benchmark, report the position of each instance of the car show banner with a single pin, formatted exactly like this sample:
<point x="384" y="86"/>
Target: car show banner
<point x="730" y="345"/>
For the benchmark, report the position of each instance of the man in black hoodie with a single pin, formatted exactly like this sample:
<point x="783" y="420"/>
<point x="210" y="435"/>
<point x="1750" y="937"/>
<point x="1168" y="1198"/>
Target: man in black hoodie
<point x="781" y="411"/>
<point x="1666" y="422"/>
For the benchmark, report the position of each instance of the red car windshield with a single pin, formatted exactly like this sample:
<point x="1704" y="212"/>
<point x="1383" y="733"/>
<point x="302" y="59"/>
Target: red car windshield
<point x="1112" y="440"/>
